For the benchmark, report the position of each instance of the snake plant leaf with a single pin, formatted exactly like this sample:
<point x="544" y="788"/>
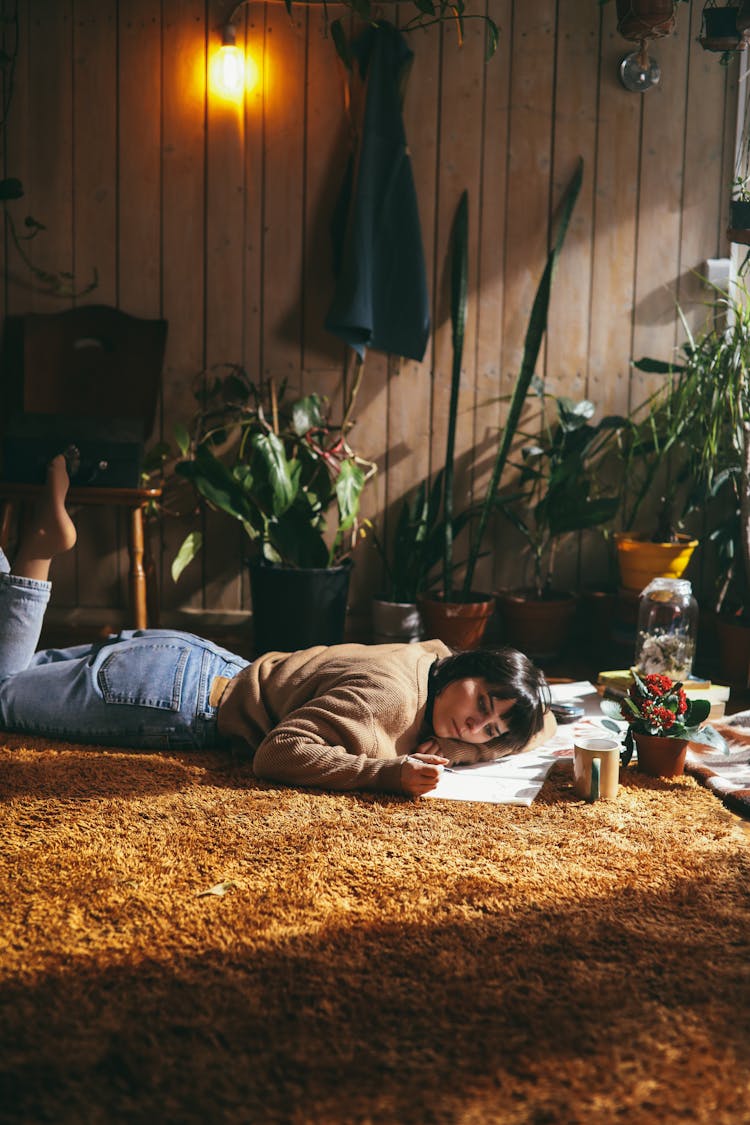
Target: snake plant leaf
<point x="535" y="331"/>
<point x="189" y="548"/>
<point x="459" y="300"/>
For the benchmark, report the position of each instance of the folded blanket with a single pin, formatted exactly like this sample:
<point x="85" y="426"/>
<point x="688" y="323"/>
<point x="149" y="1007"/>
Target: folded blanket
<point x="728" y="775"/>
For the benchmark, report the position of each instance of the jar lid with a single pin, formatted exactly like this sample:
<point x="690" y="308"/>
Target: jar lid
<point x="667" y="586"/>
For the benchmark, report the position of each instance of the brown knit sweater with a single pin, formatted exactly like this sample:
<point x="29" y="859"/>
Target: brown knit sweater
<point x="342" y="717"/>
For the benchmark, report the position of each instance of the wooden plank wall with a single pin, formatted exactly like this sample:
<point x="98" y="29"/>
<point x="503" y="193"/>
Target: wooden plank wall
<point x="216" y="217"/>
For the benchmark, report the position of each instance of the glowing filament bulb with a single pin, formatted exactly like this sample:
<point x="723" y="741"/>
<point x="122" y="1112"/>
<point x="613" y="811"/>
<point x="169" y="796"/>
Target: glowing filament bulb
<point x="230" y="71"/>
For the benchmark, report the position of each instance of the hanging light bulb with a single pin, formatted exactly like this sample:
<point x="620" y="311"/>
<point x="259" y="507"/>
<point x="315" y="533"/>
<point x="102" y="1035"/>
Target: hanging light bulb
<point x="229" y="67"/>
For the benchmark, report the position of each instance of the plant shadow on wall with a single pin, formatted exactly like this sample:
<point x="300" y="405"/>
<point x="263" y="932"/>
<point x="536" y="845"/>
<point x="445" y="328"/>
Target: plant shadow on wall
<point x="55" y="283"/>
<point x="288" y="475"/>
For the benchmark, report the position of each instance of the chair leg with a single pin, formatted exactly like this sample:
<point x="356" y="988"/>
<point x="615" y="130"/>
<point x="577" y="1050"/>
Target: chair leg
<point x="137" y="576"/>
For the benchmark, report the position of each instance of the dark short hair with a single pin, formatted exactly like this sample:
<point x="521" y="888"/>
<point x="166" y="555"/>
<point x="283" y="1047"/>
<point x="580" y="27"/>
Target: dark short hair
<point x="510" y="675"/>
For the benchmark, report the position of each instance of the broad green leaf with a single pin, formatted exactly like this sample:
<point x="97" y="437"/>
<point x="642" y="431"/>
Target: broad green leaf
<point x="270" y="449"/>
<point x="697" y="712"/>
<point x="349" y="485"/>
<point x="307" y="414"/>
<point x="182" y="437"/>
<point x="189" y="548"/>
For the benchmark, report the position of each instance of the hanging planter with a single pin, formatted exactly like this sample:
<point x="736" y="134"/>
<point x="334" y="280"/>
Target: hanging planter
<point x="725" y="29"/>
<point x="645" y="19"/>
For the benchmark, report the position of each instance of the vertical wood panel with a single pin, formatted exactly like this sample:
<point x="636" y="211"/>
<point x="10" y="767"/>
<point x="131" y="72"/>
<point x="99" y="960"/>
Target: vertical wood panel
<point x="139" y="158"/>
<point x="225" y="214"/>
<point x="489" y="277"/>
<point x="183" y="213"/>
<point x="659" y="202"/>
<point x="528" y="204"/>
<point x="284" y="192"/>
<point x="704" y="187"/>
<point x="50" y="181"/>
<point x="576" y="96"/>
<point x="100" y="582"/>
<point x="407" y="452"/>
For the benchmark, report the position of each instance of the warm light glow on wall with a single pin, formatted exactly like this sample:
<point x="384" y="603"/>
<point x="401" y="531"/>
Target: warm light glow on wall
<point x="233" y="73"/>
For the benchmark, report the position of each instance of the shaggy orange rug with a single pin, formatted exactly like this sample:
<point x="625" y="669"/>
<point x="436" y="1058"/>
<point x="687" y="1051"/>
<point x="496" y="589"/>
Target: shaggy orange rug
<point x="182" y="944"/>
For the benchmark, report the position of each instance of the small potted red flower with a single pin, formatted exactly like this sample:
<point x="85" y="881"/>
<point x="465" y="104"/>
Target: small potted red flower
<point x="661" y="722"/>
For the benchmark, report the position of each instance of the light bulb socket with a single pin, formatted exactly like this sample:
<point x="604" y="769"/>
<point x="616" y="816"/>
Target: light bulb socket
<point x="229" y="35"/>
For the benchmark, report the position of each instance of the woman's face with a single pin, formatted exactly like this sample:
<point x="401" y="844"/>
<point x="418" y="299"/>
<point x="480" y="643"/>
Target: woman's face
<point x="465" y="710"/>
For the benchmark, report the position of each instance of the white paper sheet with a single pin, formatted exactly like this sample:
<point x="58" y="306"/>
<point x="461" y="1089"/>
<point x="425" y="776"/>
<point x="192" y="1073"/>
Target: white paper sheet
<point x="515" y="780"/>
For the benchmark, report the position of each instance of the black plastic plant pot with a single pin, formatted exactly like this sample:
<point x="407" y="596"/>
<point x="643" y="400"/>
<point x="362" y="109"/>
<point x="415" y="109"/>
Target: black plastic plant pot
<point x="294" y="609"/>
<point x="720" y="29"/>
<point x="739" y="214"/>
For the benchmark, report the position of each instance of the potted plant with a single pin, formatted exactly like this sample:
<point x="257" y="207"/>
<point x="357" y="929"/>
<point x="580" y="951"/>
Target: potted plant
<point x="649" y="454"/>
<point x="645" y="19"/>
<point x="661" y="721"/>
<point x="555" y="494"/>
<point x="280" y="468"/>
<point x="458" y="601"/>
<point x="414" y="550"/>
<point x="724" y="28"/>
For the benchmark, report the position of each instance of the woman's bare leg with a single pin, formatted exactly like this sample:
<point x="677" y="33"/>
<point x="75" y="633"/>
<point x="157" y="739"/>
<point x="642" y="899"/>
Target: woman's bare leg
<point x="49" y="531"/>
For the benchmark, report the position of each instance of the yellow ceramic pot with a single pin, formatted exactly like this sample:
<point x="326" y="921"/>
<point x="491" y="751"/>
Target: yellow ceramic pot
<point x="640" y="561"/>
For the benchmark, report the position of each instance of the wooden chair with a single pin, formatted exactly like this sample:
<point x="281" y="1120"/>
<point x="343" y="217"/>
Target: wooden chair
<point x="92" y="362"/>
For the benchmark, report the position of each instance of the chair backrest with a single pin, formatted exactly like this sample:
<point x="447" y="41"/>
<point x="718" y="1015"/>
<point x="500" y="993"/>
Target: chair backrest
<point x="94" y="362"/>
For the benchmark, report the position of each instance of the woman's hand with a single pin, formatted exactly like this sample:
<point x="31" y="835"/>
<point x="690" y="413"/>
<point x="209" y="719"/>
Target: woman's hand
<point x="421" y="771"/>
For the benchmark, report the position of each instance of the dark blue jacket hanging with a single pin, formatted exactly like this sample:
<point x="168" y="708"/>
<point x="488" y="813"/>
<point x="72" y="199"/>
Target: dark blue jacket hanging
<point x="381" y="296"/>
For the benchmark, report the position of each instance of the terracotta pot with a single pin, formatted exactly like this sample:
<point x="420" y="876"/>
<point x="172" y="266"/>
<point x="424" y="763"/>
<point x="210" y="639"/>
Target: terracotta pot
<point x="396" y="622"/>
<point x="460" y="625"/>
<point x="734" y="651"/>
<point x="645" y="19"/>
<point x="659" y="756"/>
<point x="640" y="560"/>
<point x="539" y="627"/>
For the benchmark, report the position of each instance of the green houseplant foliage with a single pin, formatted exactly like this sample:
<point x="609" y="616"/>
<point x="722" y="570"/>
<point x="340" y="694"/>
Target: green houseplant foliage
<point x="704" y="412"/>
<point x="555" y="492"/>
<point x="278" y="467"/>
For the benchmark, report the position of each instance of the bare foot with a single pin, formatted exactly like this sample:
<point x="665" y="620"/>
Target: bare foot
<point x="49" y="531"/>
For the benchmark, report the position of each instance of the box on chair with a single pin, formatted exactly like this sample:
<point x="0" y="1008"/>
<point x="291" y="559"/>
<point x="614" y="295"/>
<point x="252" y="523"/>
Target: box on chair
<point x="111" y="449"/>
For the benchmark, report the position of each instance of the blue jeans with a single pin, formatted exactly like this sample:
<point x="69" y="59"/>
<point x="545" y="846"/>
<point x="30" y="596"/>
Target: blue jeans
<point x="145" y="688"/>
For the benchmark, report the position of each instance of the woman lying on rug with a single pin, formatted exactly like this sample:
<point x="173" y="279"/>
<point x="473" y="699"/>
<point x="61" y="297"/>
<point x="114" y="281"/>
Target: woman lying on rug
<point x="383" y="718"/>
